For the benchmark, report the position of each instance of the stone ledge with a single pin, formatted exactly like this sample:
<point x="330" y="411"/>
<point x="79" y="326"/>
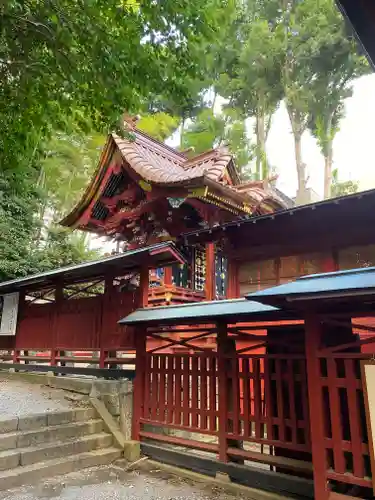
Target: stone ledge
<point x="244" y="491"/>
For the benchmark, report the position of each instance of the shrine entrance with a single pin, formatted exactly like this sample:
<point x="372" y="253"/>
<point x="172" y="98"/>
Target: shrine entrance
<point x="239" y="399"/>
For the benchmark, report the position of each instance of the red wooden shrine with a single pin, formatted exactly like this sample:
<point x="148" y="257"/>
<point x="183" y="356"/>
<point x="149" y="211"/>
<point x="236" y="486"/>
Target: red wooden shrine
<point x="243" y="380"/>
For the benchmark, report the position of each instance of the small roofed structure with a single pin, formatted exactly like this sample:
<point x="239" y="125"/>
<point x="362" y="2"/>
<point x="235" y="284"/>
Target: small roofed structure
<point x="329" y="292"/>
<point x="186" y="314"/>
<point x="145" y="191"/>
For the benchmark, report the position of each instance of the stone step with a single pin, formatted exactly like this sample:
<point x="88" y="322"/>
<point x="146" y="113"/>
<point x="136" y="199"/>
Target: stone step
<point x="29" y="474"/>
<point x="33" y="454"/>
<point x="23" y="439"/>
<point x="32" y="422"/>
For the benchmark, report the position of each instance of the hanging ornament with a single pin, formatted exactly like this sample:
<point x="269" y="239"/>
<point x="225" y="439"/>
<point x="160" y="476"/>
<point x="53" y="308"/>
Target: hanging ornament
<point x="176" y="202"/>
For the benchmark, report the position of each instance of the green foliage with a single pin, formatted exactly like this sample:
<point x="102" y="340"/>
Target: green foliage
<point x="159" y="125"/>
<point x="17" y="207"/>
<point x="204" y="132"/>
<point x="341" y="188"/>
<point x="78" y="65"/>
<point x="209" y="130"/>
<point x="67" y="168"/>
<point x="62" y="247"/>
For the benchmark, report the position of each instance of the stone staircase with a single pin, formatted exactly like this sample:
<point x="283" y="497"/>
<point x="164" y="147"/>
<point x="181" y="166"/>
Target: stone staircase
<point x="52" y="444"/>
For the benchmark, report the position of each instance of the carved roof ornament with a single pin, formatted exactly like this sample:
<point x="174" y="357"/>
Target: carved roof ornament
<point x="130" y="121"/>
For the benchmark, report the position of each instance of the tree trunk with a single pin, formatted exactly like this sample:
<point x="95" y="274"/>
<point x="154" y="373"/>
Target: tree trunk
<point x="301" y="170"/>
<point x="261" y="159"/>
<point x="328" y="161"/>
<point x="298" y="129"/>
<point x="258" y="163"/>
<point x="182" y="129"/>
<point x="327" y="150"/>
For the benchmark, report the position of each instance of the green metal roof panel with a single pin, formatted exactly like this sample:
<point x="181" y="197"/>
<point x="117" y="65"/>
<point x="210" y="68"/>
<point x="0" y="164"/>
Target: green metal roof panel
<point x="238" y="309"/>
<point x="353" y="283"/>
<point x="159" y="255"/>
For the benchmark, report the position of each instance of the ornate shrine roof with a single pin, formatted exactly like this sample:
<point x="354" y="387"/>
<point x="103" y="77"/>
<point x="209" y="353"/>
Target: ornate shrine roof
<point x="159" y="171"/>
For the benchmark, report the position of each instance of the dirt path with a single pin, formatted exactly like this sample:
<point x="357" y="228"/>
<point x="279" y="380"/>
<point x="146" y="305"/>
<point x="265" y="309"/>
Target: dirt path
<point x="104" y="483"/>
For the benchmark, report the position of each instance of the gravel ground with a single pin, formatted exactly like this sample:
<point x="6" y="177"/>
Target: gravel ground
<point x="114" y="483"/>
<point x="23" y="398"/>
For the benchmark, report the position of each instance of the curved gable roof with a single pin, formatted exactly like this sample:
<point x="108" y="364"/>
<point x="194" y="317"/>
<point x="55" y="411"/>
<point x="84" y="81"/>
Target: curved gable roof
<point x="155" y="163"/>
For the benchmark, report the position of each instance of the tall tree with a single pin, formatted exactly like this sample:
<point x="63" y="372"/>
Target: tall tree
<point x="254" y="85"/>
<point x="319" y="63"/>
<point x="337" y="66"/>
<point x="83" y="62"/>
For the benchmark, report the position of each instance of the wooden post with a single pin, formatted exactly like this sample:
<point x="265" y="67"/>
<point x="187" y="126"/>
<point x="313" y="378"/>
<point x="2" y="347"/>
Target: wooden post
<point x="210" y="271"/>
<point x="59" y="297"/>
<point x="168" y="276"/>
<point x="233" y="281"/>
<point x="143" y="287"/>
<point x="330" y="263"/>
<point x="106" y="304"/>
<point x="313" y="332"/>
<point x="222" y="336"/>
<point x="21" y="311"/>
<point x="138" y="388"/>
<point x="140" y="362"/>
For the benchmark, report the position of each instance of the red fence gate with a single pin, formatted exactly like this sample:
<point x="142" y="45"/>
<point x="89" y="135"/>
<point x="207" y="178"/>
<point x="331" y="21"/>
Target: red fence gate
<point x="245" y="406"/>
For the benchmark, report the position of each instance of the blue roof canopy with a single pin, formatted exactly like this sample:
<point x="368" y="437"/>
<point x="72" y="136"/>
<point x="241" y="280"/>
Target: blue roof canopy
<point x="196" y="313"/>
<point x="356" y="285"/>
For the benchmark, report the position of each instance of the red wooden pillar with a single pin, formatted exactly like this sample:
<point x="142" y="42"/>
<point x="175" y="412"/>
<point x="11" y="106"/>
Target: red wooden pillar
<point x="143" y="286"/>
<point x="168" y="276"/>
<point x="210" y="271"/>
<point x="313" y="329"/>
<point x="105" y="305"/>
<point x="140" y="361"/>
<point x="222" y="337"/>
<point x="330" y="263"/>
<point x="138" y="387"/>
<point x="59" y="297"/>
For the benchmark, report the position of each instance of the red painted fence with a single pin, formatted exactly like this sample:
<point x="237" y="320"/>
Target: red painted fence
<point x="181" y="393"/>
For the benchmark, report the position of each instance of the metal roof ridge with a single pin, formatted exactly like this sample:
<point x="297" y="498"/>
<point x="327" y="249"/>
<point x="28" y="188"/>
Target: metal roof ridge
<point x="357" y="270"/>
